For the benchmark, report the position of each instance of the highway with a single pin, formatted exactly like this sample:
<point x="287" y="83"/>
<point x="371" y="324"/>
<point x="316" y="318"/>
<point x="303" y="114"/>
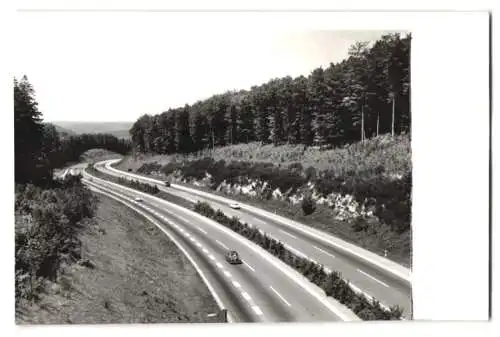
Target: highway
<point x="368" y="273"/>
<point x="262" y="289"/>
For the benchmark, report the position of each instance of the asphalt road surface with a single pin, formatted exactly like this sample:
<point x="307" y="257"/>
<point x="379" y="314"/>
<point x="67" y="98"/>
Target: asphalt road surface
<point x="262" y="289"/>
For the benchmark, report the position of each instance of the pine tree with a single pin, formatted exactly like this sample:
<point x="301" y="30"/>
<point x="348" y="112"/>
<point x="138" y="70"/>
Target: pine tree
<point x="30" y="162"/>
<point x="183" y="139"/>
<point x="232" y="115"/>
<point x="246" y="120"/>
<point x="199" y="129"/>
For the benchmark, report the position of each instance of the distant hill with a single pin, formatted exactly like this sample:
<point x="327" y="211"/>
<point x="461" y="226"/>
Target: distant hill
<point x="63" y="132"/>
<point x="118" y="129"/>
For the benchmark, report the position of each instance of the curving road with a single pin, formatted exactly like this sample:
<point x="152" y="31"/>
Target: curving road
<point x="262" y="289"/>
<point x="367" y="272"/>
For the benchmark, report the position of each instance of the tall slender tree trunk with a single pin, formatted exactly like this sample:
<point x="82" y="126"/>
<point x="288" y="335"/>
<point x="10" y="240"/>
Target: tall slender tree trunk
<point x="393" y="100"/>
<point x="378" y="118"/>
<point x="362" y="124"/>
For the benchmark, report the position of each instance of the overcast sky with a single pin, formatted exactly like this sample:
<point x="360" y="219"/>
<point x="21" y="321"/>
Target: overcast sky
<point x="114" y="68"/>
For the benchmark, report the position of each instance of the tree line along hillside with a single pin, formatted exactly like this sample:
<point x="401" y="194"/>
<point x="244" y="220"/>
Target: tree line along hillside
<point x="365" y="95"/>
<point x="38" y="146"/>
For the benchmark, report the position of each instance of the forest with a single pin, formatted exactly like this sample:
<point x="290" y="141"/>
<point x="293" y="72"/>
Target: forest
<point x="365" y="95"/>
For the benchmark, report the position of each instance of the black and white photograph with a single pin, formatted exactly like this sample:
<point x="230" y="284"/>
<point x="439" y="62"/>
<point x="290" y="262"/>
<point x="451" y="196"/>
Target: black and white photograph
<point x="210" y="175"/>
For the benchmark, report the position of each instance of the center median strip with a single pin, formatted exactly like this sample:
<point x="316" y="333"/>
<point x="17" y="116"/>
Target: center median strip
<point x="331" y="304"/>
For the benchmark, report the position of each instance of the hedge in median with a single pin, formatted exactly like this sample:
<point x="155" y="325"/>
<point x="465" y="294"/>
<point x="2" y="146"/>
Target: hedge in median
<point x="135" y="184"/>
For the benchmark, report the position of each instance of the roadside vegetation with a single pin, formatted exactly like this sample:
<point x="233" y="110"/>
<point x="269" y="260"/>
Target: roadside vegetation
<point x="332" y="283"/>
<point x="95" y="155"/>
<point x="50" y="221"/>
<point x="129" y="273"/>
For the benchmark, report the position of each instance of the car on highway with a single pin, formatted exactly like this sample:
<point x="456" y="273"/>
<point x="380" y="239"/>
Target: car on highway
<point x="233" y="257"/>
<point x="167" y="183"/>
<point x="234" y="205"/>
<point x="138" y="199"/>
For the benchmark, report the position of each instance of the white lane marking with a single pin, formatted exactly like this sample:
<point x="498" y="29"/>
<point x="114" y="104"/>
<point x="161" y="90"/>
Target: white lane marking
<point x="228" y="274"/>
<point x="257" y="310"/>
<point x="279" y="295"/>
<point x="297" y="252"/>
<point x="198" y="244"/>
<point x="373" y="278"/>
<point x="219" y="265"/>
<point x="211" y="257"/>
<point x="236" y="284"/>
<point x="182" y="218"/>
<point x="246" y="264"/>
<point x="220" y="243"/>
<point x="324" y="251"/>
<point x="205" y="251"/>
<point x="293" y="236"/>
<point x="191" y="238"/>
<point x="259" y="221"/>
<point x="201" y="230"/>
<point x="246" y="296"/>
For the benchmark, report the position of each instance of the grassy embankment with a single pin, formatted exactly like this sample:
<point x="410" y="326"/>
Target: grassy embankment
<point x="377" y="174"/>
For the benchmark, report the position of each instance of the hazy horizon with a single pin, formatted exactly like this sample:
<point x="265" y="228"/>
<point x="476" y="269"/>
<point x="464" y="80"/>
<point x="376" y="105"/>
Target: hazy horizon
<point x="116" y="73"/>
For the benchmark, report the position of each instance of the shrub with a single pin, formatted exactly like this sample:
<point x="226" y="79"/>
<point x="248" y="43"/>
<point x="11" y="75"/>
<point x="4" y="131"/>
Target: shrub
<point x="310" y="173"/>
<point x="58" y="215"/>
<point x="148" y="188"/>
<point x="308" y="205"/>
<point x="295" y="167"/>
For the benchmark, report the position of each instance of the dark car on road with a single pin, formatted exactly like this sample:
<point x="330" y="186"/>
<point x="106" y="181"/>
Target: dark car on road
<point x="233" y="257"/>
